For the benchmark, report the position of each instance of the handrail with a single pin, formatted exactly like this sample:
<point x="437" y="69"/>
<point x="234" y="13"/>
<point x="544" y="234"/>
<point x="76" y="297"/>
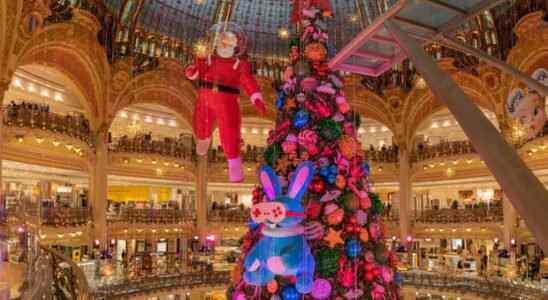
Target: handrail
<point x="168" y="147"/>
<point x="151" y="215"/>
<point x="464" y="215"/>
<point x="147" y="284"/>
<point x="22" y="115"/>
<point x="493" y="288"/>
<point x="496" y="288"/>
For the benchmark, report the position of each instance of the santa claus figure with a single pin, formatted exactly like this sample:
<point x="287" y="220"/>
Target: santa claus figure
<point x="220" y="76"/>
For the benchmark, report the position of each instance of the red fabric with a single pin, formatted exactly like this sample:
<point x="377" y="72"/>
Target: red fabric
<point x="224" y="108"/>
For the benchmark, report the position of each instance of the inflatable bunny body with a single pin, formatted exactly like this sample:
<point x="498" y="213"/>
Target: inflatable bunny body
<point x="283" y="249"/>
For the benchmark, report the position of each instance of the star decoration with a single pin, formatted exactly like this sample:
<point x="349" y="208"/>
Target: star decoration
<point x="333" y="238"/>
<point x="290" y="103"/>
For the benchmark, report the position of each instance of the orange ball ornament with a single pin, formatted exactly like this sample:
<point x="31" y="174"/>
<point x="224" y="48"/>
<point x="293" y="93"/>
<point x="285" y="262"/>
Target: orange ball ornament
<point x="340" y="182"/>
<point x="364" y="235"/>
<point x="315" y="52"/>
<point x="348" y="146"/>
<point x="272" y="287"/>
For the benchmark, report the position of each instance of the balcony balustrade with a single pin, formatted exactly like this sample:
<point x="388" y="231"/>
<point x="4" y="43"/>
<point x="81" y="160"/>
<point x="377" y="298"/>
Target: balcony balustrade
<point x="382" y="155"/>
<point x="466" y="215"/>
<point x="151" y="216"/>
<point x="228" y="215"/>
<point x="250" y="154"/>
<point x="39" y="117"/>
<point x="442" y="150"/>
<point x="60" y="216"/>
<point x="174" y="148"/>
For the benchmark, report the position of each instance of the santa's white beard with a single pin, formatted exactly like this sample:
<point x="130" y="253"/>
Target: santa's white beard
<point x="225" y="52"/>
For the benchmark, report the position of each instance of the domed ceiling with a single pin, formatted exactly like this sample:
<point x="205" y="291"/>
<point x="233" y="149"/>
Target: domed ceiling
<point x="262" y="20"/>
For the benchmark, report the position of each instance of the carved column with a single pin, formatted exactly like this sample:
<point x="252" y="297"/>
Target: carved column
<point x="405" y="193"/>
<point x="201" y="196"/>
<point x="98" y="188"/>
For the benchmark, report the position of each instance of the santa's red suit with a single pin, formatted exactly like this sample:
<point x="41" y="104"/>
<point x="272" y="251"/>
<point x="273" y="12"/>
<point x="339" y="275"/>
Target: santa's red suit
<point x="219" y="81"/>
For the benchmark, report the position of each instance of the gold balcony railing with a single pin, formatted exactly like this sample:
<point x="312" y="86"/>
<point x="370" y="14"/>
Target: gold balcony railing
<point x="60" y="216"/>
<point x="150" y="215"/>
<point x="465" y="215"/>
<point x="250" y="154"/>
<point x="484" y="287"/>
<point x="383" y="155"/>
<point x="30" y="115"/>
<point x="150" y="284"/>
<point x="228" y="215"/>
<point x="174" y="148"/>
<point x="442" y="150"/>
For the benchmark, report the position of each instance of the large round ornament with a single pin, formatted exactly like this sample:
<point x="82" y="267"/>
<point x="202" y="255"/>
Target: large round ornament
<point x="290" y="293"/>
<point x="321" y="289"/>
<point x="327" y="262"/>
<point x="317" y="185"/>
<point x="353" y="248"/>
<point x="272" y="286"/>
<point x="301" y="118"/>
<point x="329" y="129"/>
<point x="315" y="52"/>
<point x="348" y="146"/>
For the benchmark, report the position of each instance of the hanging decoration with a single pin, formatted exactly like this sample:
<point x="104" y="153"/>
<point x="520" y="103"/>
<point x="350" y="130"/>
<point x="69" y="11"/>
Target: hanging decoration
<point x="319" y="235"/>
<point x="220" y="70"/>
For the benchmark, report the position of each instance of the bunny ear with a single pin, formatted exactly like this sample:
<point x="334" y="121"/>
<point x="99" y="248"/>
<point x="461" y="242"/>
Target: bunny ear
<point x="300" y="180"/>
<point x="270" y="182"/>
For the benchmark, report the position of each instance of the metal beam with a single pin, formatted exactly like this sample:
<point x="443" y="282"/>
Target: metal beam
<point x="415" y="24"/>
<point x="472" y="12"/>
<point x="527" y="194"/>
<point x="384" y="40"/>
<point x="446" y="6"/>
<point x="459" y="46"/>
<point x="373" y="55"/>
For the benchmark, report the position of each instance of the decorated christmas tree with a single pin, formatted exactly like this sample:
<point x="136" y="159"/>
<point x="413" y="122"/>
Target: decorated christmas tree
<point x="315" y="229"/>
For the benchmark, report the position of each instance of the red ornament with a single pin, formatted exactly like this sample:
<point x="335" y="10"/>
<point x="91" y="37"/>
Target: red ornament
<point x="317" y="185"/>
<point x="314" y="209"/>
<point x="352" y="228"/>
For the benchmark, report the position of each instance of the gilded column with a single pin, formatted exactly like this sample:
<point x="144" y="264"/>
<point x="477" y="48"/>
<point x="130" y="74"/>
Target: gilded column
<point x="405" y="193"/>
<point x="201" y="196"/>
<point x="4" y="86"/>
<point x="98" y="187"/>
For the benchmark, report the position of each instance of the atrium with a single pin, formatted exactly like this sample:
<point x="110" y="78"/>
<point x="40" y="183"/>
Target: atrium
<point x="273" y="149"/>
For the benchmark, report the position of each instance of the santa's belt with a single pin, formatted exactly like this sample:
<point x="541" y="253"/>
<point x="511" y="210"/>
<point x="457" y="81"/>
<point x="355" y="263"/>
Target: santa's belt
<point x="218" y="87"/>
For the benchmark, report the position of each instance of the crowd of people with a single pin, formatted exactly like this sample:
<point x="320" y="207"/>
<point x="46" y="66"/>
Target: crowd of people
<point x="34" y="115"/>
<point x="180" y="147"/>
<point x="383" y="154"/>
<point x="444" y="148"/>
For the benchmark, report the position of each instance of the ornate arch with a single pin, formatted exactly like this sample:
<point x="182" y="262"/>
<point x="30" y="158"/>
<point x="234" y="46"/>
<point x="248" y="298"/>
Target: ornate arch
<point x="72" y="49"/>
<point x="164" y="86"/>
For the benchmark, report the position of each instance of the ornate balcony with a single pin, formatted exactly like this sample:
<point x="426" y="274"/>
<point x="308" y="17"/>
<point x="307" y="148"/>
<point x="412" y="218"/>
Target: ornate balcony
<point x="467" y="215"/>
<point x="250" y="154"/>
<point x="151" y="216"/>
<point x="32" y="116"/>
<point x="149" y="284"/>
<point x="61" y="217"/>
<point x="442" y="150"/>
<point x="228" y="216"/>
<point x="176" y="149"/>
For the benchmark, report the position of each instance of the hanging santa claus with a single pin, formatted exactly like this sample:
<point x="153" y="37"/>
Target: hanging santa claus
<point x="220" y="74"/>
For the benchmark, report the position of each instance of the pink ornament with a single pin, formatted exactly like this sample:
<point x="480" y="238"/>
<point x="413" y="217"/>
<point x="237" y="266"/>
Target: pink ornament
<point x="369" y="256"/>
<point x="361" y="217"/>
<point x="386" y="274"/>
<point x="289" y="147"/>
<point x="353" y="294"/>
<point x="309" y="84"/>
<point x="377" y="293"/>
<point x="375" y="230"/>
<point x="344" y="107"/>
<point x="347" y="277"/>
<point x="321" y="289"/>
<point x="238" y="296"/>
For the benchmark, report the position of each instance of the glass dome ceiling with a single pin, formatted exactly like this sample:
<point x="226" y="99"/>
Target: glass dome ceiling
<point x="262" y="20"/>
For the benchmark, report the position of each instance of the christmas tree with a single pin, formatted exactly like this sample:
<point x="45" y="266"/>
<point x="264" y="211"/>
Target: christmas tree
<point x="333" y="245"/>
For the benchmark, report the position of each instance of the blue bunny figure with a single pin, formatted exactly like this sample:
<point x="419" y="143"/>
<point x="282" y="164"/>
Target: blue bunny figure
<point x="282" y="250"/>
